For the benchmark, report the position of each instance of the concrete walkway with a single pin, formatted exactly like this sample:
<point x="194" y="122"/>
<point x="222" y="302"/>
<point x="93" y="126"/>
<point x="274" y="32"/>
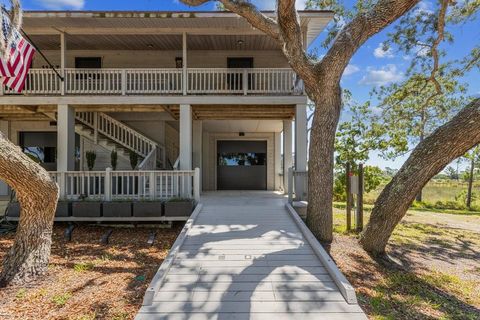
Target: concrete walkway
<point x="244" y="257"/>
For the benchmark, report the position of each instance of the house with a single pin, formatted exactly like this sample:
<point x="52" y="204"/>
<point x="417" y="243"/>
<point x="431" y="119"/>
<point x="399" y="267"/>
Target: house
<point x="178" y="90"/>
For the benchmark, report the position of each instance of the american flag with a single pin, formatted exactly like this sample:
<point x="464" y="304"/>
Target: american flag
<point x="15" y="69"/>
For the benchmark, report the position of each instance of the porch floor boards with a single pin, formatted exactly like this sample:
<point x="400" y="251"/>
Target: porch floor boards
<point x="245" y="258"/>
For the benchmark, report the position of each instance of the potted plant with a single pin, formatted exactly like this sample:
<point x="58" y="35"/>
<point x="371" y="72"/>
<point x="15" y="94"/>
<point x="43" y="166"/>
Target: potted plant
<point x="114" y="159"/>
<point x="64" y="209"/>
<point x="86" y="208"/>
<point x="91" y="157"/>
<point x="148" y="209"/>
<point x="179" y="207"/>
<point x="117" y="208"/>
<point x="133" y="159"/>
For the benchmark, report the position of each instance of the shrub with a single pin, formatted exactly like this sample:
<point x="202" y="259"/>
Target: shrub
<point x="114" y="159"/>
<point x="91" y="157"/>
<point x="133" y="159"/>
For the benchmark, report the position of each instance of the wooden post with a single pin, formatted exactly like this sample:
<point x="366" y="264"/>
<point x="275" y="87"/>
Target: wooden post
<point x="196" y="185"/>
<point x="359" y="222"/>
<point x="108" y="184"/>
<point x="124" y="82"/>
<point x="153" y="185"/>
<point x="245" y="82"/>
<point x="349" y="197"/>
<point x="184" y="66"/>
<point x="290" y="185"/>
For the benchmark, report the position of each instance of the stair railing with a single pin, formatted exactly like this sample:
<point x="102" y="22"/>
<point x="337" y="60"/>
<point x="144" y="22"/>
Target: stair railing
<point x="121" y="134"/>
<point x="150" y="161"/>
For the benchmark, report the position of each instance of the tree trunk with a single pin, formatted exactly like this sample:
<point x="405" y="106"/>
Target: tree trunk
<point x="447" y="143"/>
<point x="470" y="183"/>
<point x="321" y="162"/>
<point x="37" y="195"/>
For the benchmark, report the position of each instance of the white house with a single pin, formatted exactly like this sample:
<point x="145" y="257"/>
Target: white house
<point x="182" y="90"/>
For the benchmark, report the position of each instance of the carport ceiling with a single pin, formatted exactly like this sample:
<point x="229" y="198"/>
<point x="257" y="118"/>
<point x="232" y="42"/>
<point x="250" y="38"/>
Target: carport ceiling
<point x="238" y="112"/>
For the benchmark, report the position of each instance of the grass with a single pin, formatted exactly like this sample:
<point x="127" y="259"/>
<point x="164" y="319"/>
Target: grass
<point x="61" y="299"/>
<point x="83" y="266"/>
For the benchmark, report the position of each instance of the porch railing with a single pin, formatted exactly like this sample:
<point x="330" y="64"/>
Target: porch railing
<point x="297" y="185"/>
<point x="111" y="185"/>
<point x="258" y="81"/>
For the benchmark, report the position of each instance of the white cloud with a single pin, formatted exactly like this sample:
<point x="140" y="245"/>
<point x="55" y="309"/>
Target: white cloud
<point x="62" y="4"/>
<point x="351" y="69"/>
<point x="423" y="8"/>
<point x="380" y="53"/>
<point x="383" y="76"/>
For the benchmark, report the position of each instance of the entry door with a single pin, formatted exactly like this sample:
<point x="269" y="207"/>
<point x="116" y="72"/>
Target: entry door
<point x="235" y="79"/>
<point x="241" y="165"/>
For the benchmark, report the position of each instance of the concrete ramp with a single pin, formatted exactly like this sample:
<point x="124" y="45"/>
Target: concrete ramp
<point x="246" y="255"/>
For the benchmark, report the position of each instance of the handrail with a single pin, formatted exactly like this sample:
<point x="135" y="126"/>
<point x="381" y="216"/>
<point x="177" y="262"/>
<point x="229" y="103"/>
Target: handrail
<point x="176" y="164"/>
<point x="150" y="161"/>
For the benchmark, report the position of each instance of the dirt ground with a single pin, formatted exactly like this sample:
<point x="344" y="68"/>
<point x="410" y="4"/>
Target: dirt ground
<point x="88" y="280"/>
<point x="436" y="274"/>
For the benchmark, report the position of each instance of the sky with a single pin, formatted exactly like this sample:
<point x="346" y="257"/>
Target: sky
<point x="370" y="67"/>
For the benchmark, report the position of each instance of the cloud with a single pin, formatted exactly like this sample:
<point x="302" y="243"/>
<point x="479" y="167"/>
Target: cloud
<point x="351" y="69"/>
<point x="383" y="76"/>
<point x="62" y="4"/>
<point x="379" y="52"/>
<point x="423" y="8"/>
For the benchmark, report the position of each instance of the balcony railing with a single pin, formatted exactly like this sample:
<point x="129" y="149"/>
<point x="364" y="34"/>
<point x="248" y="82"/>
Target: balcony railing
<point x="199" y="81"/>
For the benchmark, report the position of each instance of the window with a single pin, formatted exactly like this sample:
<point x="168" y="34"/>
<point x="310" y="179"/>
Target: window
<point x="39" y="146"/>
<point x="241" y="159"/>
<point x="88" y="62"/>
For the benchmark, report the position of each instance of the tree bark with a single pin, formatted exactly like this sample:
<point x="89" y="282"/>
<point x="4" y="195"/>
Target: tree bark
<point x="470" y="183"/>
<point x="321" y="163"/>
<point x="37" y="194"/>
<point x="443" y="146"/>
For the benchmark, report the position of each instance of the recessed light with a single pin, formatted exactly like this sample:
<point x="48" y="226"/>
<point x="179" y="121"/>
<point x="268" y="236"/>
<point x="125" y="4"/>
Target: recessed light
<point x="240" y="42"/>
<point x="150" y="45"/>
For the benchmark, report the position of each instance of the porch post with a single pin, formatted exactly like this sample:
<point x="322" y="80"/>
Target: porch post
<point x="300" y="147"/>
<point x="184" y="64"/>
<point x="278" y="161"/>
<point x="197" y="139"/>
<point x="185" y="137"/>
<point x="287" y="151"/>
<point x="63" y="49"/>
<point x="65" y="138"/>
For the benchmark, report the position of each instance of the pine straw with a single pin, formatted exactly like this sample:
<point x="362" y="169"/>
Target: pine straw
<point x="88" y="280"/>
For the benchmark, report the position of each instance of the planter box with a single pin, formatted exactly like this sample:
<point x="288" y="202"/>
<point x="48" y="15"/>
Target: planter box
<point x="147" y="209"/>
<point x="13" y="209"/>
<point x="88" y="209"/>
<point x="64" y="209"/>
<point x="178" y="208"/>
<point x="117" y="209"/>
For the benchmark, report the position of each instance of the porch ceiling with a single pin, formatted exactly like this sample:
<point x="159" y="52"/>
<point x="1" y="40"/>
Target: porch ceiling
<point x="237" y="112"/>
<point x="47" y="112"/>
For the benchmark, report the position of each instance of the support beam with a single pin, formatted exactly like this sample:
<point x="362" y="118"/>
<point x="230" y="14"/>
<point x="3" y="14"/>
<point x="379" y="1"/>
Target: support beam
<point x="287" y="151"/>
<point x="184" y="64"/>
<point x="278" y="161"/>
<point x="65" y="138"/>
<point x="197" y="139"/>
<point x="63" y="61"/>
<point x="185" y="137"/>
<point x="300" y="148"/>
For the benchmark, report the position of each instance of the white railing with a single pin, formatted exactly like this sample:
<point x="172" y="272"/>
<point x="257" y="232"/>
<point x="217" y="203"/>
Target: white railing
<point x="120" y="133"/>
<point x="265" y="81"/>
<point x="297" y="185"/>
<point x="111" y="185"/>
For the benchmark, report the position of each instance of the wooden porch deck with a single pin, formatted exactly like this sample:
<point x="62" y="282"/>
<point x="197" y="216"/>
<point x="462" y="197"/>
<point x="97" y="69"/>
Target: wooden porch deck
<point x="245" y="256"/>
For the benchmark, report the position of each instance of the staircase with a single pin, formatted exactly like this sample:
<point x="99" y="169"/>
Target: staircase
<point x="112" y="134"/>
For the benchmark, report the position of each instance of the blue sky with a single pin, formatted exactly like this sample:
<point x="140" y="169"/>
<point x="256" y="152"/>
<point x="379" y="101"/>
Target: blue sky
<point x="370" y="66"/>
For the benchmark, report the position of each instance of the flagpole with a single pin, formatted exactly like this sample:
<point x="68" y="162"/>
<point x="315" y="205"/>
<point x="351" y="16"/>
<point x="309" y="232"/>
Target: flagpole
<point x="41" y="53"/>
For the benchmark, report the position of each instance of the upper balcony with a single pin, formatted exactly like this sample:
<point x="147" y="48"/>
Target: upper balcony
<point x="164" y="81"/>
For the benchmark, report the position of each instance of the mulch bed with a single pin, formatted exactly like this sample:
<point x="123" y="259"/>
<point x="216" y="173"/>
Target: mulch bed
<point x="88" y="280"/>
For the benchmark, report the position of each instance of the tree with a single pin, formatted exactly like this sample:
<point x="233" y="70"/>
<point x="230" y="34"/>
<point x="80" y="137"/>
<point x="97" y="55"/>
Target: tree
<point x="444" y="145"/>
<point x="322" y="79"/>
<point x="452" y="173"/>
<point x="474" y="157"/>
<point x="37" y="195"/>
<point x="430" y="155"/>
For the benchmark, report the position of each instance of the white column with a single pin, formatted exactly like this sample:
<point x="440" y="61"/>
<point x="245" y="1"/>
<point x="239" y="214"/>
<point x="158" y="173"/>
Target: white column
<point x="278" y="164"/>
<point x="63" y="50"/>
<point x="185" y="137"/>
<point x="197" y="139"/>
<point x="184" y="62"/>
<point x="300" y="147"/>
<point x="65" y="138"/>
<point x="287" y="151"/>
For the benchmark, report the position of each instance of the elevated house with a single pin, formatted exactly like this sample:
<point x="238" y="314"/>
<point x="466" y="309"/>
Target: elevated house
<point x="180" y="90"/>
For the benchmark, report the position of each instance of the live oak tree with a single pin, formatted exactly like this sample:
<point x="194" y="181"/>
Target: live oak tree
<point x="432" y="84"/>
<point x="474" y="158"/>
<point x="37" y="194"/>
<point x="321" y="79"/>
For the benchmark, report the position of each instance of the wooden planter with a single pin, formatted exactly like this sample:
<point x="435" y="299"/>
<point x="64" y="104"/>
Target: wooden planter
<point x="178" y="208"/>
<point x="117" y="209"/>
<point x="88" y="209"/>
<point x="148" y="209"/>
<point x="64" y="208"/>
